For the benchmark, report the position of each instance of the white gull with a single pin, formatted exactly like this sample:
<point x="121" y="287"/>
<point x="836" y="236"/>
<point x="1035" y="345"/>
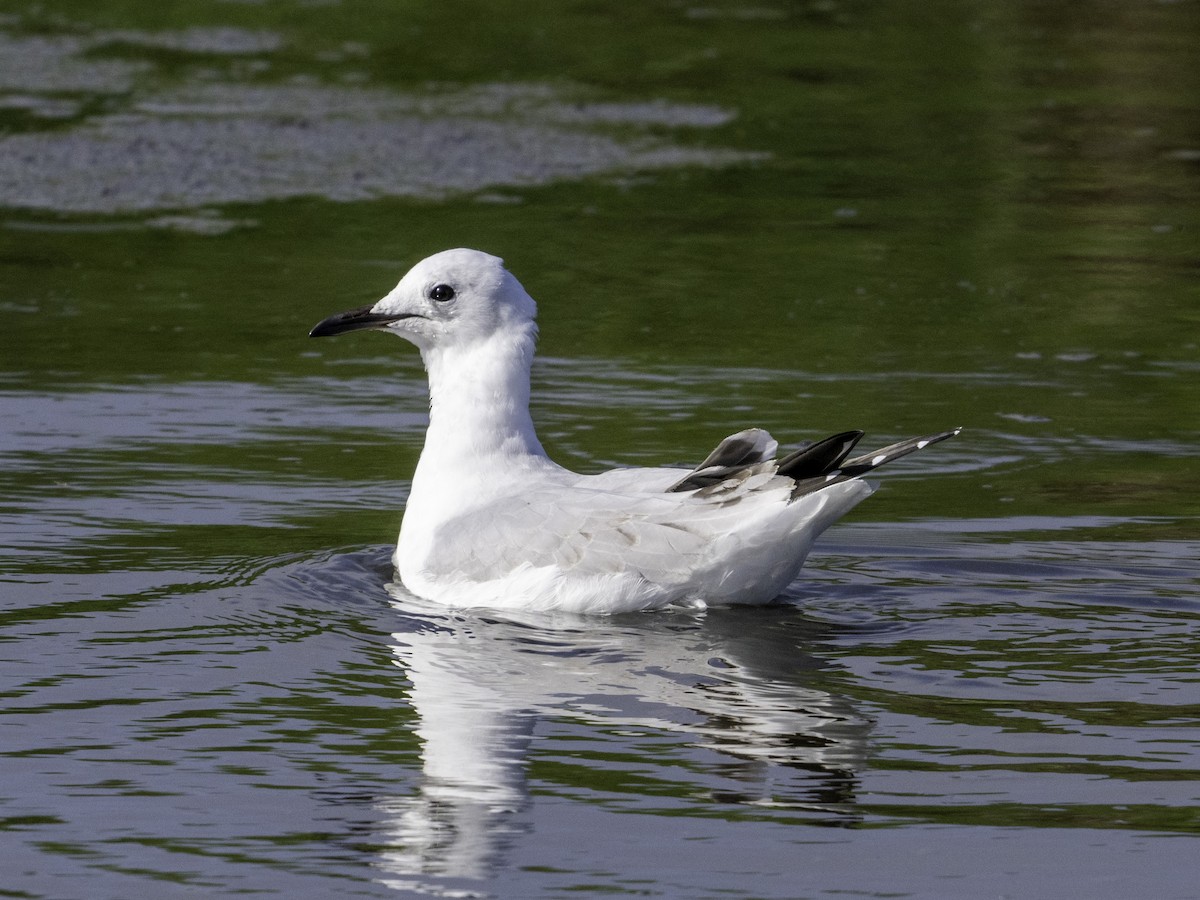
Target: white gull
<point x="492" y="521"/>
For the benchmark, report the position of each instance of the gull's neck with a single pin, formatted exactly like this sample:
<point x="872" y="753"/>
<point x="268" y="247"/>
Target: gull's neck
<point x="479" y="401"/>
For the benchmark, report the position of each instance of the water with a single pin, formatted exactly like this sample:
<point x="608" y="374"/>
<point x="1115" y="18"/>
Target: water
<point x="805" y="217"/>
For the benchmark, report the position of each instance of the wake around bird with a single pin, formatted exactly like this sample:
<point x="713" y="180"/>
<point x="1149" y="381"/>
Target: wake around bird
<point x="492" y="521"/>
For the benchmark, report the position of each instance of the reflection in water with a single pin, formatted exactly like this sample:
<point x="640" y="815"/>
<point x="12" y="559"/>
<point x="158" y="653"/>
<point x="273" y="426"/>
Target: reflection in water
<point x="487" y="689"/>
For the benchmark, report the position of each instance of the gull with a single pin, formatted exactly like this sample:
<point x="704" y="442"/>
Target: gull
<point x="492" y="521"/>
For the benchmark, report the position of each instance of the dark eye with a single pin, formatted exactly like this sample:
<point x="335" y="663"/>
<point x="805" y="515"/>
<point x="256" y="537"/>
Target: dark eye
<point x="441" y="293"/>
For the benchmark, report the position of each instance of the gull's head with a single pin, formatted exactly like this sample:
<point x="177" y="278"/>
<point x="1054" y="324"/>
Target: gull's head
<point x="456" y="297"/>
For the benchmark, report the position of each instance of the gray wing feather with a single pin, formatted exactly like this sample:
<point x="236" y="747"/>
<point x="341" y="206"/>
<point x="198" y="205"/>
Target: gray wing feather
<point x="751" y="447"/>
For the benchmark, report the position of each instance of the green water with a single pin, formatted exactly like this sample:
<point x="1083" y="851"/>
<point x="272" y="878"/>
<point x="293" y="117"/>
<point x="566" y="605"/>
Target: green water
<point x="804" y="216"/>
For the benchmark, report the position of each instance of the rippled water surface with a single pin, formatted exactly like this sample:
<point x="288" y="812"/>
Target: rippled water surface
<point x="808" y="217"/>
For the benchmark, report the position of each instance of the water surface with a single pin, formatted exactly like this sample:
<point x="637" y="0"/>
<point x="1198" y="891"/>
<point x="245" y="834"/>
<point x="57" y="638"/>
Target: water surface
<point x="807" y="217"/>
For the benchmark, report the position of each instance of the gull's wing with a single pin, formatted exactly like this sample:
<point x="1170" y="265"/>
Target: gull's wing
<point x="664" y="537"/>
<point x="740" y="501"/>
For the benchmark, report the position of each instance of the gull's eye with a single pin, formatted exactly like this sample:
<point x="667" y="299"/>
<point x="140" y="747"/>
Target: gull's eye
<point x="441" y="293"/>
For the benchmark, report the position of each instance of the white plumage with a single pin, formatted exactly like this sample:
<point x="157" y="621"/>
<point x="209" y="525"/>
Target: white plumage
<point x="492" y="521"/>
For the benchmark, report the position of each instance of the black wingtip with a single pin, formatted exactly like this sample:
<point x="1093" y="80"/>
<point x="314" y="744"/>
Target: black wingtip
<point x="861" y="465"/>
<point x="819" y="458"/>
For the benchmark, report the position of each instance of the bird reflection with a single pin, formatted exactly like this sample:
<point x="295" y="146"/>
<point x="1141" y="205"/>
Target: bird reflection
<point x="717" y="707"/>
